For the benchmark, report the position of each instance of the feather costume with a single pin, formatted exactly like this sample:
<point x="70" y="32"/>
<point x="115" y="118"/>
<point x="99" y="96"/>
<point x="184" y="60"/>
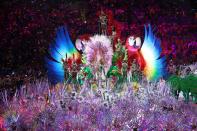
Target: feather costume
<point x="148" y="55"/>
<point x="62" y="51"/>
<point x="98" y="51"/>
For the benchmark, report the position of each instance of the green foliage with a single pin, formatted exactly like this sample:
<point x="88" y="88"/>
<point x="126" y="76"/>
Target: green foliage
<point x="188" y="85"/>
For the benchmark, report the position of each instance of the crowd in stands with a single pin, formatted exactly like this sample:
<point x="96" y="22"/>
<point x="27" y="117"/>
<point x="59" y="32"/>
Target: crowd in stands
<point x="28" y="27"/>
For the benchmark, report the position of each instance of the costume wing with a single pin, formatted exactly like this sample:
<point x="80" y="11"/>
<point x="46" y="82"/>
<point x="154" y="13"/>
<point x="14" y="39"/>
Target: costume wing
<point x="155" y="65"/>
<point x="61" y="48"/>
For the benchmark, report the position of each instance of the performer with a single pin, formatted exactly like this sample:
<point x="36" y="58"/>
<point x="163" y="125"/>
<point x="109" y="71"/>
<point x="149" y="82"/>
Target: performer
<point x="124" y="69"/>
<point x="119" y="55"/>
<point x="74" y="71"/>
<point x="136" y="75"/>
<point x="171" y="67"/>
<point x="100" y="74"/>
<point x="103" y="23"/>
<point x="65" y="65"/>
<point x="113" y="36"/>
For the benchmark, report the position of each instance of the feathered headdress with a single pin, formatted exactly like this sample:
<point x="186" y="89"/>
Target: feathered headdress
<point x="98" y="51"/>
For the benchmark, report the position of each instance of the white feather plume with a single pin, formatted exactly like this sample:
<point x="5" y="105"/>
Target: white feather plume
<point x="99" y="51"/>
